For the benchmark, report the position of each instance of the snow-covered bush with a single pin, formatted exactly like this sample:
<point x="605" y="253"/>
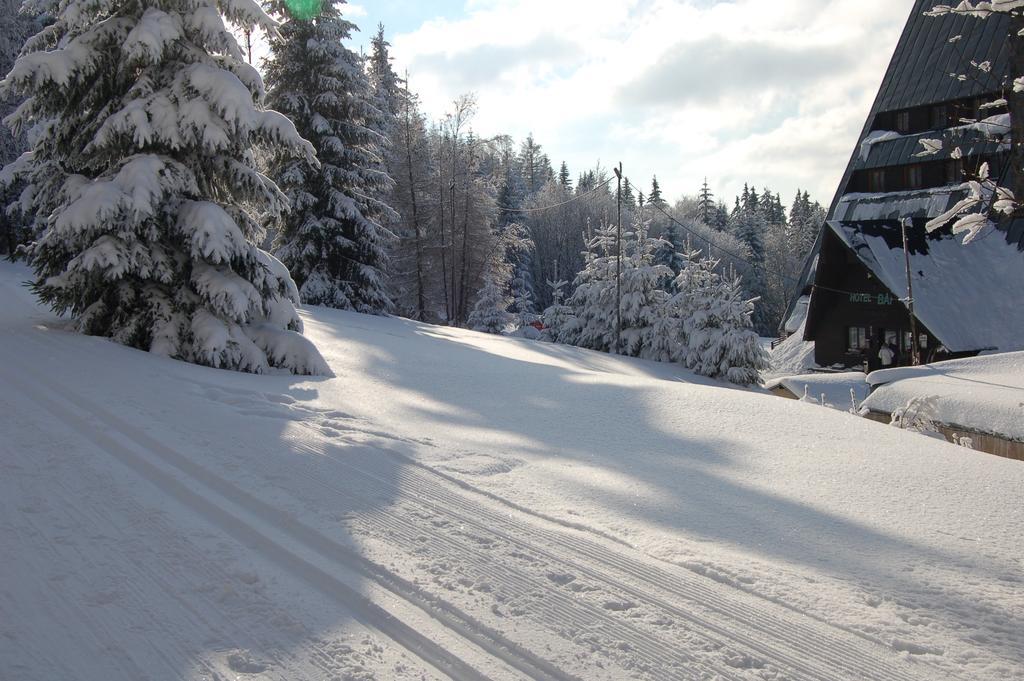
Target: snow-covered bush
<point x="335" y="239"/>
<point x="142" y="174"/>
<point x="919" y="414"/>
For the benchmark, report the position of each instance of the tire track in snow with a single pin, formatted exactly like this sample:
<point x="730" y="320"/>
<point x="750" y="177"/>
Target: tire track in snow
<point x="64" y="403"/>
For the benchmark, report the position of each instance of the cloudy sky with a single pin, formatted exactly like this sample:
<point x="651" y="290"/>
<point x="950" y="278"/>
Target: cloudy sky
<point x="773" y="92"/>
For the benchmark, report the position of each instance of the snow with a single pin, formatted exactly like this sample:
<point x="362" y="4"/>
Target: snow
<point x="826" y="389"/>
<point x="875" y="137"/>
<point x="984" y="394"/>
<point x="463" y="505"/>
<point x="793" y="355"/>
<point x="863" y="206"/>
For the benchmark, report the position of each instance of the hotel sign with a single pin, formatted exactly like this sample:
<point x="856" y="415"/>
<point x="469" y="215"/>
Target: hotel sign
<point x="873" y="298"/>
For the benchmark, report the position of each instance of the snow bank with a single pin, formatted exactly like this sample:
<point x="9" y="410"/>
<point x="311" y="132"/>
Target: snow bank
<point x="793" y="355"/>
<point x="984" y="394"/>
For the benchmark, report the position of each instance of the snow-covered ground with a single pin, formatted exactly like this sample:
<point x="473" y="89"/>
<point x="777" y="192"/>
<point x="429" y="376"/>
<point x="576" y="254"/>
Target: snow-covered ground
<point x="455" y="505"/>
<point x="984" y="394"/>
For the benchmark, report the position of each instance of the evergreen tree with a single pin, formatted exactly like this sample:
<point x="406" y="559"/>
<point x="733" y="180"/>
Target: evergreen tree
<point x="535" y="166"/>
<point x="16" y="28"/>
<point x="335" y="240"/>
<point x="144" y="180"/>
<point x="705" y="204"/>
<point x="558" y="317"/>
<point x="642" y="294"/>
<point x="717" y="329"/>
<point x="490" y="313"/>
<point x="654" y="198"/>
<point x="628" y="197"/>
<point x="388" y="89"/>
<point x="668" y="253"/>
<point x="593" y="301"/>
<point x="564" y="178"/>
<point x="519" y="250"/>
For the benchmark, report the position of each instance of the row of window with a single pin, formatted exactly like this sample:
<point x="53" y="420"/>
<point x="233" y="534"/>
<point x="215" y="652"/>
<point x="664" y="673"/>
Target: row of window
<point x="859" y="339"/>
<point x="918" y="175"/>
<point x="938" y="116"/>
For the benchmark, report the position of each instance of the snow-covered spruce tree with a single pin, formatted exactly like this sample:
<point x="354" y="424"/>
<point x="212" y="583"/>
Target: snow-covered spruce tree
<point x="717" y="330"/>
<point x="642" y="295"/>
<point x="593" y="301"/>
<point x="15" y="29"/>
<point x="519" y="248"/>
<point x="668" y="253"/>
<point x="334" y="241"/>
<point x="490" y="313"/>
<point x="557" y="316"/>
<point x="142" y="175"/>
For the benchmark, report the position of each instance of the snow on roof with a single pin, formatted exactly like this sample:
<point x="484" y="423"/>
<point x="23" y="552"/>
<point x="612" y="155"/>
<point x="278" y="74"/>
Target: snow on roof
<point x="984" y="394"/>
<point x="834" y="388"/>
<point x="965" y="295"/>
<point x="882" y="148"/>
<point x="916" y="203"/>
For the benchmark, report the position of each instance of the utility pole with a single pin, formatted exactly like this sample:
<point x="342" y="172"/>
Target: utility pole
<point x="915" y="351"/>
<point x="618" y="262"/>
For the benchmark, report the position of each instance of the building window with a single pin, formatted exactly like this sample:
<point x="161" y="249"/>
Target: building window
<point x="903" y="121"/>
<point x="955" y="171"/>
<point x="908" y="342"/>
<point x="915" y="177"/>
<point x="876" y="180"/>
<point x="940" y="117"/>
<point x="858" y="338"/>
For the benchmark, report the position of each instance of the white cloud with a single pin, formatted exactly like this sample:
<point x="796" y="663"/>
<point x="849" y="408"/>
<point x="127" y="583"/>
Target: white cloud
<point x="773" y="93"/>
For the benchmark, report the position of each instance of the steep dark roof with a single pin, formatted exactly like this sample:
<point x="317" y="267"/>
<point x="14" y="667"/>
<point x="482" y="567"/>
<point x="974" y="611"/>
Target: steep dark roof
<point x="920" y="74"/>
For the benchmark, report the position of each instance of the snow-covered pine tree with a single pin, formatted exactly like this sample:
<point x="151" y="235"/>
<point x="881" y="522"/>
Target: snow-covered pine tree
<point x="717" y="333"/>
<point x="142" y="173"/>
<point x="558" y="317"/>
<point x="593" y="301"/>
<point x="642" y="295"/>
<point x="705" y="203"/>
<point x="16" y="28"/>
<point x="519" y="250"/>
<point x="335" y="239"/>
<point x="668" y="253"/>
<point x="490" y="313"/>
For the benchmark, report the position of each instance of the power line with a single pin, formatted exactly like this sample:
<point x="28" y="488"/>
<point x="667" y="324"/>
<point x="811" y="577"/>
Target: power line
<point x="702" y="237"/>
<point x="558" y="205"/>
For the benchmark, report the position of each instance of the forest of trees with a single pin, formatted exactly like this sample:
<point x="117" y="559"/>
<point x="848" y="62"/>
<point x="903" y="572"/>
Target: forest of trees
<point x="368" y="203"/>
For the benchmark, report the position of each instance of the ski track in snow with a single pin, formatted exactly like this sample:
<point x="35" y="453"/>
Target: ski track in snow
<point x="444" y="579"/>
